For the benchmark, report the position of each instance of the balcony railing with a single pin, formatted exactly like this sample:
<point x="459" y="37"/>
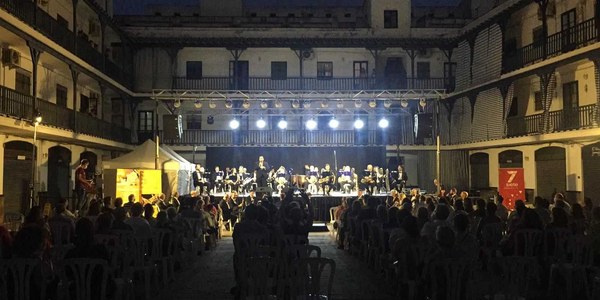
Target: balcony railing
<point x="563" y="41"/>
<point x="561" y="120"/>
<point x="311" y="83"/>
<point x="30" y="13"/>
<point x="14" y="104"/>
<point x="283" y="138"/>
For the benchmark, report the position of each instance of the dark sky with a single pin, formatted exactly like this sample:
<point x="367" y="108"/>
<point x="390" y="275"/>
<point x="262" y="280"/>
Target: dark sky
<point x="129" y="7"/>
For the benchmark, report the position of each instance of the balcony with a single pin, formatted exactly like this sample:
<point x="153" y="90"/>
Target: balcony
<point x="30" y="13"/>
<point x="561" y="120"/>
<point x="570" y="39"/>
<point x="311" y="83"/>
<point x="285" y="138"/>
<point x="14" y="104"/>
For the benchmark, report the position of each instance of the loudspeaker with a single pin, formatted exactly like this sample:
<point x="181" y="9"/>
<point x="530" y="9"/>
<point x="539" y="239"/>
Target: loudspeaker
<point x="172" y="127"/>
<point x="423" y="126"/>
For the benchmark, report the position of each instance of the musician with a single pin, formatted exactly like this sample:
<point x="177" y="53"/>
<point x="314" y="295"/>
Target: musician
<point x="261" y="172"/>
<point x="82" y="184"/>
<point x="369" y="180"/>
<point x="217" y="178"/>
<point x="281" y="179"/>
<point x="381" y="180"/>
<point x="345" y="179"/>
<point x="327" y="179"/>
<point x="313" y="179"/>
<point x="233" y="180"/>
<point x="399" y="178"/>
<point x="199" y="179"/>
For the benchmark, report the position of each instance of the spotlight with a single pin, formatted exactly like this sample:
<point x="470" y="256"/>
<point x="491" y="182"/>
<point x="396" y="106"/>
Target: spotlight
<point x="177" y="103"/>
<point x="423" y="102"/>
<point x="246" y="104"/>
<point x="404" y="103"/>
<point x="358" y="103"/>
<point x="264" y="104"/>
<point x="383" y="123"/>
<point x="359" y="123"/>
<point x="311" y="124"/>
<point x="387" y="103"/>
<point x="296" y="104"/>
<point x="228" y="104"/>
<point x="334" y="123"/>
<point x="212" y="104"/>
<point x="282" y="124"/>
<point x="198" y="104"/>
<point x="234" y="124"/>
<point x="306" y="104"/>
<point x="261" y="123"/>
<point x="324" y="104"/>
<point x="372" y="103"/>
<point x="278" y="104"/>
<point x="340" y="104"/>
<point x="210" y="120"/>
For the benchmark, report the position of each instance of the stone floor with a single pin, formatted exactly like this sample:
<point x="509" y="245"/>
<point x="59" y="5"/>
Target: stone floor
<point x="211" y="276"/>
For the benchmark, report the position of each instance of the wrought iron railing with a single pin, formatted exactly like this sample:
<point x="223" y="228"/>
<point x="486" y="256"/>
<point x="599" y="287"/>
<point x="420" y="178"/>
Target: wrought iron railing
<point x="30" y="13"/>
<point x="17" y="105"/>
<point x="310" y="83"/>
<point x="560" y="120"/>
<point x="563" y="41"/>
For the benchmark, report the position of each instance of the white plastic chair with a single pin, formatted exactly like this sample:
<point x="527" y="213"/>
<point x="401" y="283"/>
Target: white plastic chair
<point x="308" y="278"/>
<point x="20" y="272"/>
<point x="79" y="274"/>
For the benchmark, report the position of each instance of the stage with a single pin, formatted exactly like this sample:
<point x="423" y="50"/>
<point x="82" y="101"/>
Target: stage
<point x="321" y="203"/>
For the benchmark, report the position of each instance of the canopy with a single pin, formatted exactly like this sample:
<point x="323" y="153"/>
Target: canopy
<point x="143" y="157"/>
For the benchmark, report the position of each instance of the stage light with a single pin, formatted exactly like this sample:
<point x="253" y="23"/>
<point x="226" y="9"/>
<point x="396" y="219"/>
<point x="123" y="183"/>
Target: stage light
<point x="311" y="124"/>
<point x="359" y="123"/>
<point x="324" y="104"/>
<point x="246" y="104"/>
<point x="296" y="104"/>
<point x="423" y="102"/>
<point x="334" y="123"/>
<point x="387" y="103"/>
<point x="358" y="103"/>
<point x="234" y="124"/>
<point x="372" y="103"/>
<point x="306" y="104"/>
<point x="264" y="104"/>
<point x="210" y="120"/>
<point x="340" y="104"/>
<point x="228" y="104"/>
<point x="404" y="103"/>
<point x="278" y="104"/>
<point x="177" y="103"/>
<point x="198" y="104"/>
<point x="212" y="104"/>
<point x="282" y="124"/>
<point x="383" y="123"/>
<point x="261" y="123"/>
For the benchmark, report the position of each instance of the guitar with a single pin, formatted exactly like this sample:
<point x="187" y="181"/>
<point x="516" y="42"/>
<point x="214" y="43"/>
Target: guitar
<point x="326" y="179"/>
<point x="90" y="188"/>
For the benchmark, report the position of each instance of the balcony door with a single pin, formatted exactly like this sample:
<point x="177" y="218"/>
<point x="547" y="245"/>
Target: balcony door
<point x="449" y="76"/>
<point x="568" y="20"/>
<point x="361" y="75"/>
<point x="571" y="105"/>
<point x="238" y="75"/>
<point x="395" y="74"/>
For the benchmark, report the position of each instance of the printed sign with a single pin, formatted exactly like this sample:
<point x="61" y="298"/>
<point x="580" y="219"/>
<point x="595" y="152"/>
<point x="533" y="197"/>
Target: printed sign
<point x="511" y="186"/>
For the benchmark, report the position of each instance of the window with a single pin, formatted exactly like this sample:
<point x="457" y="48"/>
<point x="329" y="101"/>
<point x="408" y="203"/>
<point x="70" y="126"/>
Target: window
<point x="194" y="122"/>
<point x="390" y="19"/>
<point x="61" y="95"/>
<point x="571" y="95"/>
<point x="361" y="69"/>
<point x="278" y="70"/>
<point x="193" y="70"/>
<point x="538" y="101"/>
<point x="514" y="108"/>
<point x="324" y="69"/>
<point x="145" y="120"/>
<point x="423" y="70"/>
<point x="23" y="83"/>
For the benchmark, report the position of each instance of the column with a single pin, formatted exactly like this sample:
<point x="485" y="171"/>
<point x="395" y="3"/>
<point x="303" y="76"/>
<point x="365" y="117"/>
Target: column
<point x="376" y="53"/>
<point x="596" y="60"/>
<point x="35" y="58"/>
<point x="75" y="2"/>
<point x="236" y="53"/>
<point x="412" y="53"/>
<point x="173" y="52"/>
<point x="507" y="91"/>
<point x="547" y="87"/>
<point x="74" y="77"/>
<point x="471" y="39"/>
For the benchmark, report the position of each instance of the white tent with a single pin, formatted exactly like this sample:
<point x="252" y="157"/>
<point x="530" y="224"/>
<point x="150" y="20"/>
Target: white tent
<point x="175" y="169"/>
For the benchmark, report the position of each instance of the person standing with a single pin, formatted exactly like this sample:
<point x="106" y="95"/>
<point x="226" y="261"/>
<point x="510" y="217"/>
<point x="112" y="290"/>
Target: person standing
<point x="82" y="184"/>
<point x="261" y="172"/>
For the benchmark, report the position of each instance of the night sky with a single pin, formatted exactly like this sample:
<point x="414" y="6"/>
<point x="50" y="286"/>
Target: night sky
<point x="136" y="7"/>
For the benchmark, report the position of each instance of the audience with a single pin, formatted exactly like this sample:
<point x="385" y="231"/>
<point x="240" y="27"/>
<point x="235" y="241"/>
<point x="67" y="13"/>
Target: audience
<point x="140" y="226"/>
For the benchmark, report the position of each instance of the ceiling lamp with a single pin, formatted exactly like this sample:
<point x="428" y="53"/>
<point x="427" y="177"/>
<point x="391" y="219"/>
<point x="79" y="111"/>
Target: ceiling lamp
<point x="404" y="103"/>
<point x="264" y="104"/>
<point x="372" y="103"/>
<point x="306" y="104"/>
<point x="278" y="104"/>
<point x="358" y="103"/>
<point x="387" y="103"/>
<point x="311" y="124"/>
<point x="261" y="123"/>
<point x="296" y="104"/>
<point x="234" y="124"/>
<point x="422" y="102"/>
<point x="198" y="104"/>
<point x="282" y="124"/>
<point x="228" y="104"/>
<point x="359" y="123"/>
<point x="177" y="103"/>
<point x="212" y="104"/>
<point x="324" y="104"/>
<point x="334" y="123"/>
<point x="340" y="104"/>
<point x="246" y="104"/>
<point x="383" y="123"/>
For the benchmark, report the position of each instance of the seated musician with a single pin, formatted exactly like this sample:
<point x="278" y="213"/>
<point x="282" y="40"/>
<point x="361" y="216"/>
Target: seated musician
<point x="345" y="179"/>
<point x="381" y="180"/>
<point x="369" y="179"/>
<point x="246" y="180"/>
<point x="218" y="179"/>
<point x="313" y="179"/>
<point x="327" y="179"/>
<point x="398" y="178"/>
<point x="281" y="179"/>
<point x="232" y="181"/>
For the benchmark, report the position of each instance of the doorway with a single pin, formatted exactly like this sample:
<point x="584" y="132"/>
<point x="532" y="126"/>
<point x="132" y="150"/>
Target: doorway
<point x="17" y="176"/>
<point x="239" y="75"/>
<point x="551" y="170"/>
<point x="480" y="170"/>
<point x="59" y="172"/>
<point x="395" y="74"/>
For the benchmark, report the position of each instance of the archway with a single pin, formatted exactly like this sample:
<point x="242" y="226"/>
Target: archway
<point x="59" y="170"/>
<point x="551" y="170"/>
<point x="510" y="159"/>
<point x="480" y="170"/>
<point x="591" y="171"/>
<point x="17" y="176"/>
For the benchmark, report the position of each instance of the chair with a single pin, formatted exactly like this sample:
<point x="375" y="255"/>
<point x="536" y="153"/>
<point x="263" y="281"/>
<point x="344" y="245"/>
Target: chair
<point x="162" y="252"/>
<point x="517" y="274"/>
<point x="556" y="242"/>
<point x="303" y="251"/>
<point x="13" y="221"/>
<point x="572" y="269"/>
<point x="137" y="262"/>
<point x="58" y="252"/>
<point x="308" y="276"/>
<point x="376" y="249"/>
<point x="61" y="232"/>
<point x="450" y="278"/>
<point x="410" y="265"/>
<point x="86" y="277"/>
<point x="527" y="242"/>
<point x="193" y="237"/>
<point x="17" y="273"/>
<point x="259" y="279"/>
<point x="106" y="239"/>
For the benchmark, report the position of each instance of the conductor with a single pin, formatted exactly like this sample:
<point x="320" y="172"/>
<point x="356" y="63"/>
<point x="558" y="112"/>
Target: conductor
<point x="261" y="172"/>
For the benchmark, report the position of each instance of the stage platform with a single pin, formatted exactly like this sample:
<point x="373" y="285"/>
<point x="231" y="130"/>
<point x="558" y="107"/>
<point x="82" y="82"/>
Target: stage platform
<point x="321" y="203"/>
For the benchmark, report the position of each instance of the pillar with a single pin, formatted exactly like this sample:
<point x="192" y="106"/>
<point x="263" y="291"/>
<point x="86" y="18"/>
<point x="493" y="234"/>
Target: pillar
<point x="596" y="61"/>
<point x="35" y="58"/>
<point x="507" y="91"/>
<point x="547" y="87"/>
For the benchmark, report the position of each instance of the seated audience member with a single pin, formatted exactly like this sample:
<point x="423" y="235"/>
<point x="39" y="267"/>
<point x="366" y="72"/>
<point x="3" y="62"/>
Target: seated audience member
<point x="528" y="220"/>
<point x="6" y="242"/>
<point x="120" y="218"/>
<point x="104" y="223"/>
<point x="174" y="201"/>
<point x="422" y="217"/>
<point x="465" y="242"/>
<point x="60" y="218"/>
<point x="130" y="201"/>
<point x="85" y="247"/>
<point x="578" y="222"/>
<point x="490" y="218"/>
<point x="106" y="204"/>
<point x="459" y="209"/>
<point x="542" y="208"/>
<point x="560" y="201"/>
<point x="594" y="233"/>
<point x="440" y="215"/>
<point x="94" y="210"/>
<point x="31" y="242"/>
<point x="161" y="202"/>
<point x="35" y="218"/>
<point x="249" y="223"/>
<point x="140" y="225"/>
<point x="501" y="210"/>
<point x="295" y="223"/>
<point x="515" y="216"/>
<point x="588" y="206"/>
<point x="479" y="212"/>
<point x="560" y="219"/>
<point x="149" y="214"/>
<point x="468" y="203"/>
<point x="406" y="234"/>
<point x="392" y="220"/>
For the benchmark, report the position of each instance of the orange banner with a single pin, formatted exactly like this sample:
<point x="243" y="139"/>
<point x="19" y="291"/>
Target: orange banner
<point x="511" y="186"/>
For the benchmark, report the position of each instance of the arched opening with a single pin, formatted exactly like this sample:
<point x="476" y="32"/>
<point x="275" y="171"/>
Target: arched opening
<point x="17" y="176"/>
<point x="551" y="170"/>
<point x="480" y="170"/>
<point x="59" y="171"/>
<point x="591" y="171"/>
<point x="90" y="172"/>
<point x="510" y="159"/>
